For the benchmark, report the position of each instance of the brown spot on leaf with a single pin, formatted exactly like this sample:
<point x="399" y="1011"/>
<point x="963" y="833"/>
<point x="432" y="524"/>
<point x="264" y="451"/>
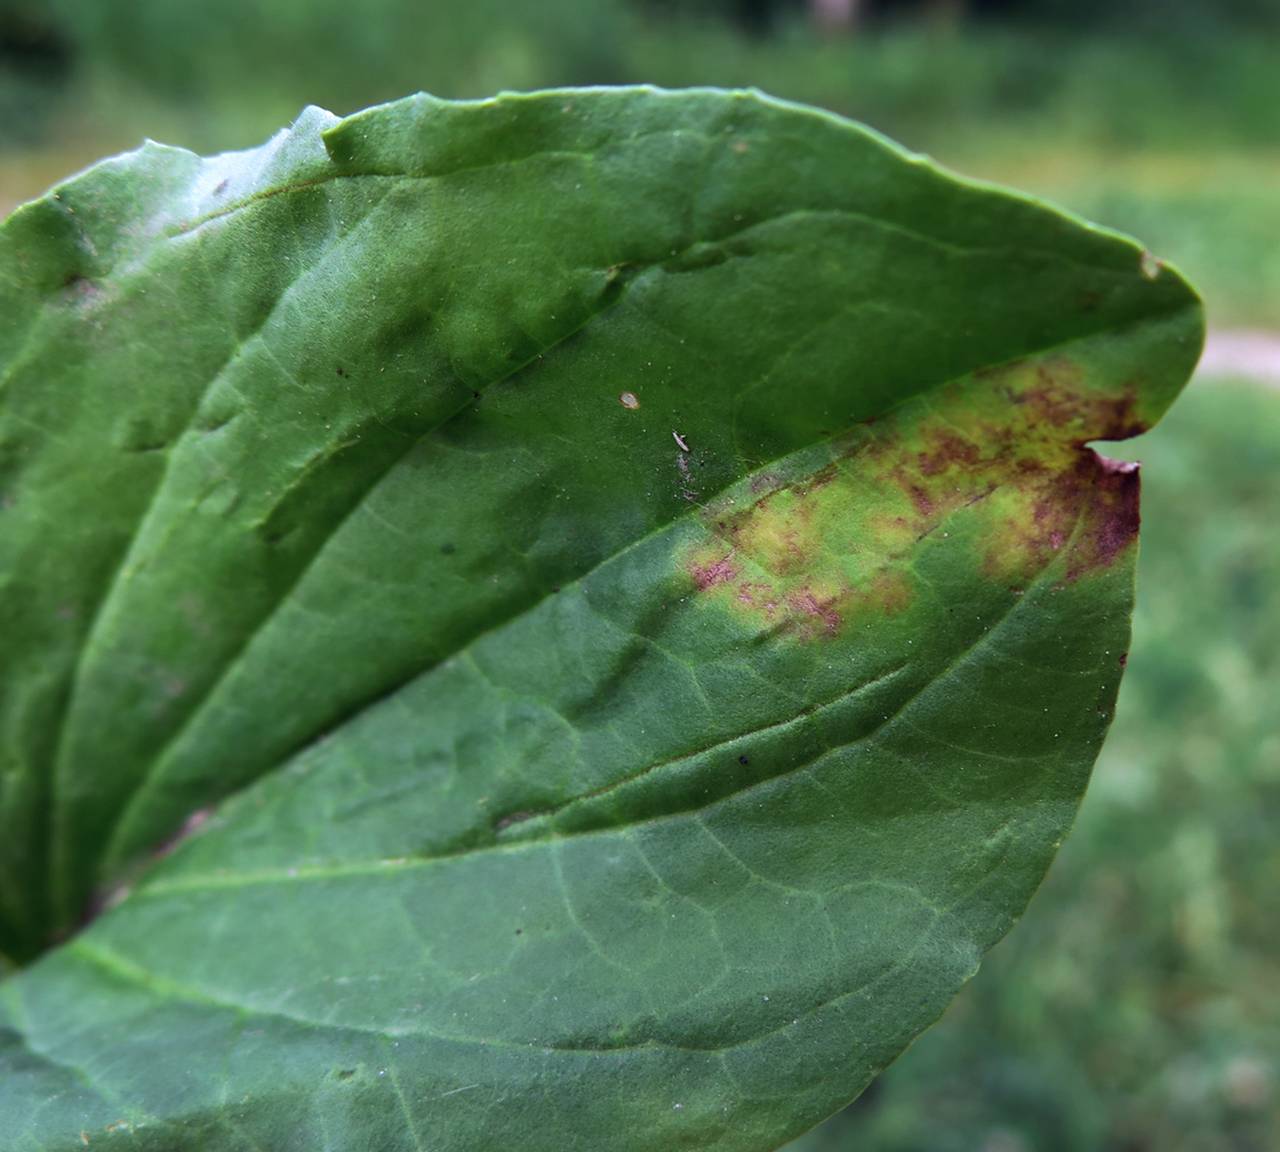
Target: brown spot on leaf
<point x="1089" y="511"/>
<point x="758" y="595"/>
<point x="995" y="466"/>
<point x="889" y="592"/>
<point x="715" y="573"/>
<point x="190" y="827"/>
<point x="1061" y="400"/>
<point x="513" y="818"/>
<point x="81" y="289"/>
<point x="1112" y="523"/>
<point x="948" y="450"/>
<point x="820" y="612"/>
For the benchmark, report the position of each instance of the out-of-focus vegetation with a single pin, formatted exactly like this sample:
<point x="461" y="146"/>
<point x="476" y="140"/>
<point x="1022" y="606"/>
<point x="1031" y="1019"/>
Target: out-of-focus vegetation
<point x="1159" y="117"/>
<point x="1136" y="1009"/>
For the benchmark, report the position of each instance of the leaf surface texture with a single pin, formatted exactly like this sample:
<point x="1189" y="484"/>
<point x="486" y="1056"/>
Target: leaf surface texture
<point x="570" y="620"/>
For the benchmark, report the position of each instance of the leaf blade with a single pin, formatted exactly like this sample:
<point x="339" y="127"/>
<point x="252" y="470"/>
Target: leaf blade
<point x="548" y="698"/>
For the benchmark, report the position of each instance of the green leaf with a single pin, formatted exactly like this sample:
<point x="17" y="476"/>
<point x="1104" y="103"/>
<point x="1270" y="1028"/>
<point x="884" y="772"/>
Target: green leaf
<point x="608" y="588"/>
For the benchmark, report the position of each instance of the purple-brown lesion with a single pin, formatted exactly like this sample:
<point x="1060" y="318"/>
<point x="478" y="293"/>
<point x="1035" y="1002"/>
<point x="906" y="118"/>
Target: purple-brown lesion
<point x="807" y="555"/>
<point x="1061" y="400"/>
<point x="820" y="613"/>
<point x="1113" y="521"/>
<point x="714" y="573"/>
<point x="947" y="450"/>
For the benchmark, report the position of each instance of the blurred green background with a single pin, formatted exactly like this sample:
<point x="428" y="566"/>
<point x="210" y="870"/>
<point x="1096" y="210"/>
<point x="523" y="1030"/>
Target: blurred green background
<point x="1137" y="1007"/>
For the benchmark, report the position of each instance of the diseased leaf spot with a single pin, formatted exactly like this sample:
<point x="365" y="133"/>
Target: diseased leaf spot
<point x="822" y="613"/>
<point x="805" y="549"/>
<point x="1117" y="516"/>
<point x="81" y="289"/>
<point x="716" y="572"/>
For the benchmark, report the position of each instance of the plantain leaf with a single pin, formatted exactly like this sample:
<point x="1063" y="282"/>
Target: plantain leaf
<point x="570" y="620"/>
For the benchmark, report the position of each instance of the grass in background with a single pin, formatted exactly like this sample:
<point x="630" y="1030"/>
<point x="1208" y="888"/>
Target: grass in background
<point x="1174" y="139"/>
<point x="1215" y="214"/>
<point x="1134" y="1009"/>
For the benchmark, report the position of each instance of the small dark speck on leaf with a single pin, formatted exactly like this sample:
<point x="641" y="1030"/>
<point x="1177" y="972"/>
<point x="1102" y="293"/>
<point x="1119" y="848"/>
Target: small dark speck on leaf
<point x="1124" y="659"/>
<point x="346" y="1073"/>
<point x="190" y="827"/>
<point x="216" y="422"/>
<point x="475" y="395"/>
<point x="221" y="187"/>
<point x="341" y="370"/>
<point x="743" y="760"/>
<point x="519" y="931"/>
<point x="513" y="818"/>
<point x="81" y="287"/>
<point x="448" y="548"/>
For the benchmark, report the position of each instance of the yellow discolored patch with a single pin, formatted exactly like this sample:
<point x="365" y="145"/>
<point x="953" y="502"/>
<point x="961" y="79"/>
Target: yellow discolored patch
<point x="821" y="540"/>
